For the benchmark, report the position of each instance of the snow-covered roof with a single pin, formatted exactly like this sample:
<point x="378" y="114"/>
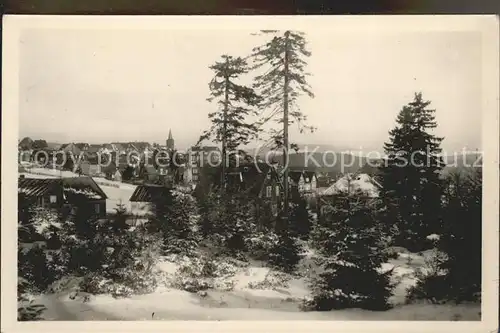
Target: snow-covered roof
<point x="362" y="182"/>
<point x="34" y="187"/>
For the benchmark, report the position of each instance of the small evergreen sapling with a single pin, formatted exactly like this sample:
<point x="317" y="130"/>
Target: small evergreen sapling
<point x="286" y="253"/>
<point x="300" y="218"/>
<point x="347" y="238"/>
<point x="174" y="219"/>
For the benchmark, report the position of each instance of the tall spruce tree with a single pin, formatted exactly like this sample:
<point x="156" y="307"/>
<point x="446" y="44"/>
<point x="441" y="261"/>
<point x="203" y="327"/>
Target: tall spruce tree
<point x="411" y="184"/>
<point x="230" y="125"/>
<point x="283" y="82"/>
<point x="347" y="238"/>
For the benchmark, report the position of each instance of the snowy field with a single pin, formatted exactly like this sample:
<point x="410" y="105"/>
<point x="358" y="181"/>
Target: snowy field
<point x="117" y="192"/>
<point x="247" y="292"/>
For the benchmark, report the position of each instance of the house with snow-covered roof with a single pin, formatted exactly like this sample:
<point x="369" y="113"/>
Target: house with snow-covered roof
<point x="351" y="183"/>
<point x="64" y="193"/>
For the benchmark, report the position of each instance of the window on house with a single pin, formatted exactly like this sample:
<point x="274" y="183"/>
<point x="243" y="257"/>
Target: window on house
<point x="195" y="171"/>
<point x="277" y="190"/>
<point x="97" y="208"/>
<point x="268" y="191"/>
<point x="195" y="178"/>
<point x="53" y="199"/>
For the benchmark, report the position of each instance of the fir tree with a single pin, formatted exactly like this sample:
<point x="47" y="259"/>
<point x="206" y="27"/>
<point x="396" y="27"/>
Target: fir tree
<point x="79" y="237"/>
<point x="230" y="125"/>
<point x="347" y="238"/>
<point x="281" y="85"/>
<point x="173" y="218"/>
<point x="286" y="253"/>
<point x="410" y="177"/>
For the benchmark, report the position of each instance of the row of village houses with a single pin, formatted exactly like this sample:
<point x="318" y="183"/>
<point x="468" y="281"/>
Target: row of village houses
<point x="261" y="181"/>
<point x="190" y="167"/>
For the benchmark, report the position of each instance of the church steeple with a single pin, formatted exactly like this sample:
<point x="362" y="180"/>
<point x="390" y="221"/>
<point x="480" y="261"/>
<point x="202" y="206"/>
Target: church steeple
<point x="170" y="140"/>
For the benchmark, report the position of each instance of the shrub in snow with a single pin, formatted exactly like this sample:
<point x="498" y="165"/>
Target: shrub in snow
<point x="347" y="239"/>
<point x="27" y="309"/>
<point x="431" y="280"/>
<point x="204" y="272"/>
<point x="272" y="280"/>
<point x="260" y="244"/>
<point x="433" y="237"/>
<point x="36" y="265"/>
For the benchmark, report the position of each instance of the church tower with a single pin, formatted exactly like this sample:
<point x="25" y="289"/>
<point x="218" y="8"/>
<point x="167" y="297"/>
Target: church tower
<point x="170" y="141"/>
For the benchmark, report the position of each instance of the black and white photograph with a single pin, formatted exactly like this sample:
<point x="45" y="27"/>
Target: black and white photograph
<point x="252" y="169"/>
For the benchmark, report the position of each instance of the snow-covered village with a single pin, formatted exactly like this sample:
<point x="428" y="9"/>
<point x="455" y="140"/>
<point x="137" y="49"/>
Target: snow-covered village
<point x="249" y="175"/>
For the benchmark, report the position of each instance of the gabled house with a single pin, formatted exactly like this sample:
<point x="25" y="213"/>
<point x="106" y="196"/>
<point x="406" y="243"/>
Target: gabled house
<point x="64" y="193"/>
<point x="260" y="181"/>
<point x="302" y="182"/>
<point x="149" y="174"/>
<point x="71" y="148"/>
<point x="117" y="176"/>
<point x="199" y="157"/>
<point x="93" y="150"/>
<point x="145" y="196"/>
<point x="351" y="183"/>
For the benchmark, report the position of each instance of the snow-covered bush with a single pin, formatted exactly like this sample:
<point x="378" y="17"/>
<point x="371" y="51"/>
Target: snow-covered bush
<point x="431" y="280"/>
<point x="272" y="280"/>
<point x="260" y="244"/>
<point x="27" y="309"/>
<point x="202" y="273"/>
<point x="36" y="265"/>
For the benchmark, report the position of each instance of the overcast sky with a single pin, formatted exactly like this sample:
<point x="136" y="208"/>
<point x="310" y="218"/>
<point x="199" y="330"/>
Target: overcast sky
<point x="115" y="85"/>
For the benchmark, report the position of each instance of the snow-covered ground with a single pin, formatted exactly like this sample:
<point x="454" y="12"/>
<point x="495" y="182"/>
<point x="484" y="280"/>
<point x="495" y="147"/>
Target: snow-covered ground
<point x="255" y="293"/>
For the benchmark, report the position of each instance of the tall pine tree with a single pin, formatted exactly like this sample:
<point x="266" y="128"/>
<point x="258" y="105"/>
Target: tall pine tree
<point x="231" y="125"/>
<point x="411" y="184"/>
<point x="283" y="82"/>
